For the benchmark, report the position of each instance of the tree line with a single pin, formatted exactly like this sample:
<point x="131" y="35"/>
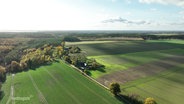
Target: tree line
<point x="76" y="57"/>
<point x="32" y="58"/>
<point x="2" y="79"/>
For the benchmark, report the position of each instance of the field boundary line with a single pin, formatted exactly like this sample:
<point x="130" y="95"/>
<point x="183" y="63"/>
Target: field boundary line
<point x="37" y="89"/>
<point x="73" y="67"/>
<point x="90" y="90"/>
<point x="57" y="81"/>
<point x="92" y="79"/>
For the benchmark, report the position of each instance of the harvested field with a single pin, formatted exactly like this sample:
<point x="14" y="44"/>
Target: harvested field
<point x="109" y="38"/>
<point x="166" y="87"/>
<point x="88" y="42"/>
<point x="145" y="70"/>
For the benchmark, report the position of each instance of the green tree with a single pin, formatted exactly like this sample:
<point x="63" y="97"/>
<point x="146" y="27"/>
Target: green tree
<point x="93" y="64"/>
<point x="63" y="44"/>
<point x="1" y="92"/>
<point x="150" y="101"/>
<point x="0" y="86"/>
<point x="115" y="88"/>
<point x="74" y="49"/>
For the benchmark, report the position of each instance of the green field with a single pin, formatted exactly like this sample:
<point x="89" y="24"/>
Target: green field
<point x="166" y="86"/>
<point x="126" y="54"/>
<point x="126" y="47"/>
<point x="54" y="84"/>
<point x="124" y="61"/>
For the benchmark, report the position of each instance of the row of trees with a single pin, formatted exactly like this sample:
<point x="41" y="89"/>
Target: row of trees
<point x="76" y="57"/>
<point x="156" y="37"/>
<point x="133" y="99"/>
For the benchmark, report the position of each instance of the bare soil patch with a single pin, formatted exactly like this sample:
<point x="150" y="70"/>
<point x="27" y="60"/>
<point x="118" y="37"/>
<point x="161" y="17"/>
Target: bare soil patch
<point x="145" y="70"/>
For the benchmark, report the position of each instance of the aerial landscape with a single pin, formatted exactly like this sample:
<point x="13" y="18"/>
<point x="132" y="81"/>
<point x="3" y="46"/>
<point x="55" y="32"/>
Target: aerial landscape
<point x="86" y="52"/>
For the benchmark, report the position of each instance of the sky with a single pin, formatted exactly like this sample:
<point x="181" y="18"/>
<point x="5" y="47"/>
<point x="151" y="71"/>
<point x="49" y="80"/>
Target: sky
<point x="91" y="15"/>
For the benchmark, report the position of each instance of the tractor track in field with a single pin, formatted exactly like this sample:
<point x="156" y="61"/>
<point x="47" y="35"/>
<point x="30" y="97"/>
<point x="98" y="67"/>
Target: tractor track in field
<point x="11" y="96"/>
<point x="41" y="96"/>
<point x="90" y="90"/>
<point x="57" y="81"/>
<point x="152" y="94"/>
<point x="142" y="71"/>
<point x="88" y="87"/>
<point x="81" y="84"/>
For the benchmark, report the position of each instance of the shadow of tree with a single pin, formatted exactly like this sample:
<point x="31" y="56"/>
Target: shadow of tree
<point x="128" y="99"/>
<point x="102" y="69"/>
<point x="1" y="95"/>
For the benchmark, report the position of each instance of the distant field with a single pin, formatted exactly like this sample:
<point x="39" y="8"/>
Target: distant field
<point x="109" y="38"/>
<point x="88" y="42"/>
<point x="124" y="47"/>
<point x="168" y="41"/>
<point x="55" y="84"/>
<point x="152" y="68"/>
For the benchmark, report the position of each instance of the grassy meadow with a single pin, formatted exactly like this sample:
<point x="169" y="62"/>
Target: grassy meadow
<point x="55" y="84"/>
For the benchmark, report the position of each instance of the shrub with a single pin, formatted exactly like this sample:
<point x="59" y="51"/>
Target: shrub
<point x="150" y="101"/>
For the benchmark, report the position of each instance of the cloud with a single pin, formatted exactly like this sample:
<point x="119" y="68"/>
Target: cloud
<point x="177" y="23"/>
<point x="174" y="2"/>
<point x="181" y="13"/>
<point x="128" y="1"/>
<point x="114" y="20"/>
<point x="153" y="9"/>
<point x="125" y="21"/>
<point x="113" y="0"/>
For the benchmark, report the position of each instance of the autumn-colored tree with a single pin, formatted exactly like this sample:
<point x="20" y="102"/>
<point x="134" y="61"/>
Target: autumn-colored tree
<point x="115" y="88"/>
<point x="23" y="65"/>
<point x="15" y="67"/>
<point x="2" y="74"/>
<point x="58" y="51"/>
<point x="48" y="50"/>
<point x="2" y="69"/>
<point x="150" y="101"/>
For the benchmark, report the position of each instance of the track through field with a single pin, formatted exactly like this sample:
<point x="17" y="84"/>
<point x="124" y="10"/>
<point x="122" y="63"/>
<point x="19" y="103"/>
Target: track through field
<point x="41" y="96"/>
